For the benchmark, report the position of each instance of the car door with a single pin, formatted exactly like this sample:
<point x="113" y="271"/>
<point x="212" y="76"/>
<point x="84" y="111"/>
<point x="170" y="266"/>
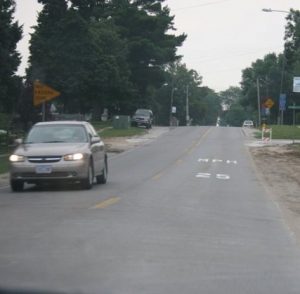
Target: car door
<point x="97" y="149"/>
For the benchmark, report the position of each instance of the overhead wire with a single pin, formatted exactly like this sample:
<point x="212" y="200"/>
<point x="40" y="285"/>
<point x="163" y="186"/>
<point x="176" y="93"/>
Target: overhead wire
<point x="201" y="5"/>
<point x="234" y="55"/>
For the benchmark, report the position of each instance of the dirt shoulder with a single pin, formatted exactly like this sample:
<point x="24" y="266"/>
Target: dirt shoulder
<point x="279" y="167"/>
<point x="121" y="144"/>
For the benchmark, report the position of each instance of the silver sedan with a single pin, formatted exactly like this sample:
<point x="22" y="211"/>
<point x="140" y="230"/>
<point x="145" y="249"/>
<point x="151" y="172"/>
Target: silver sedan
<point x="59" y="151"/>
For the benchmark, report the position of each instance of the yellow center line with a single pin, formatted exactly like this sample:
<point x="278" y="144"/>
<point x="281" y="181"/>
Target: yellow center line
<point x="157" y="176"/>
<point x="187" y="151"/>
<point x="179" y="161"/>
<point x="106" y="203"/>
<point x="203" y="136"/>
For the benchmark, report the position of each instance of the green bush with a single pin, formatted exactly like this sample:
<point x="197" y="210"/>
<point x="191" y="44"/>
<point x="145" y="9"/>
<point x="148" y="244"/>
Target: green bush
<point x="3" y="138"/>
<point x="4" y="121"/>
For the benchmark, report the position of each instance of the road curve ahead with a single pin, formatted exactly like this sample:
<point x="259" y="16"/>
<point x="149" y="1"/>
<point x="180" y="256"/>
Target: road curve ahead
<point x="185" y="213"/>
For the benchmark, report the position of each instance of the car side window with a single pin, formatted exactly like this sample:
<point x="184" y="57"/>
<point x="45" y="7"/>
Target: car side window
<point x="91" y="131"/>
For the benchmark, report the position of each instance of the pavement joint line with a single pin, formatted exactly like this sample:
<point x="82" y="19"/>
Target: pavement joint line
<point x="106" y="203"/>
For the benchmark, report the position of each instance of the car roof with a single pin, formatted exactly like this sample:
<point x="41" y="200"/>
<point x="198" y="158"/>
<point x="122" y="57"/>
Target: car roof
<point x="62" y="122"/>
<point x="144" y="109"/>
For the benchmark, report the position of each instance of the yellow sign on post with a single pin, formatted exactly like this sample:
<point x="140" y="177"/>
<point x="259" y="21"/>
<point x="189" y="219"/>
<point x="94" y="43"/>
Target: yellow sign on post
<point x="43" y="93"/>
<point x="269" y="103"/>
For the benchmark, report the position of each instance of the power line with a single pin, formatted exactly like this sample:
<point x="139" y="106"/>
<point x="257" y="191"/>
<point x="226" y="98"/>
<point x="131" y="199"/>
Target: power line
<point x="234" y="55"/>
<point x="206" y="73"/>
<point x="200" y="5"/>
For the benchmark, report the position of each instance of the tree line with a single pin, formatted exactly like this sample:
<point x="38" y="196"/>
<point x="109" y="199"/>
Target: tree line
<point x="270" y="76"/>
<point x="121" y="55"/>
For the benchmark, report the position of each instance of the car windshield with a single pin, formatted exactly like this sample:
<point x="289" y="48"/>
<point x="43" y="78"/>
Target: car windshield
<point x="143" y="112"/>
<point x="57" y="134"/>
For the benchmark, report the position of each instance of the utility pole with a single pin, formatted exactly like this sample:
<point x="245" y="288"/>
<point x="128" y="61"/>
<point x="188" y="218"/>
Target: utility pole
<point x="171" y="104"/>
<point x="187" y="106"/>
<point x="258" y="102"/>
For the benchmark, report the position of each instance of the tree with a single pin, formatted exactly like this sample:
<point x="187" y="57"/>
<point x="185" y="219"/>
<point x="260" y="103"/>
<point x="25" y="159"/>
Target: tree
<point x="212" y="103"/>
<point x="204" y="103"/>
<point x="235" y="115"/>
<point x="103" y="54"/>
<point x="178" y="78"/>
<point x="10" y="35"/>
<point x="292" y="58"/>
<point x="292" y="39"/>
<point x="230" y="96"/>
<point x="145" y="25"/>
<point x="81" y="56"/>
<point x="268" y="71"/>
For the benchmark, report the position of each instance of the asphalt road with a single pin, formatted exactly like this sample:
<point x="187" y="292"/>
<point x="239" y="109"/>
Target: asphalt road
<point x="183" y="214"/>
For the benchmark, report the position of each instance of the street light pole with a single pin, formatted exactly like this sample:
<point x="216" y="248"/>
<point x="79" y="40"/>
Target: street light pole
<point x="273" y="10"/>
<point x="283" y="64"/>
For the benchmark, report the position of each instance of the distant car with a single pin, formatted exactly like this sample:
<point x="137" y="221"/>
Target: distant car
<point x="143" y="117"/>
<point x="248" y="124"/>
<point x="67" y="151"/>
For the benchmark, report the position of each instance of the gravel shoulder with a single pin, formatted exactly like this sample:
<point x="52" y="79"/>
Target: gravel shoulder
<point x="278" y="166"/>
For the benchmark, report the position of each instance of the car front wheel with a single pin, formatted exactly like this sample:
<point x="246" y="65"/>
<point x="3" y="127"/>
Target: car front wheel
<point x="102" y="179"/>
<point x="87" y="183"/>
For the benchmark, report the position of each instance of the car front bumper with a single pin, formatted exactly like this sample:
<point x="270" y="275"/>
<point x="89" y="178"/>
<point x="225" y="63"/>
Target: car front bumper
<point x="33" y="172"/>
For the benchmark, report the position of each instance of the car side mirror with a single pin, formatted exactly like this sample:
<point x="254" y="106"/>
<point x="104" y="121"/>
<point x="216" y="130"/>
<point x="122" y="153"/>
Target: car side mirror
<point x="95" y="140"/>
<point x="18" y="141"/>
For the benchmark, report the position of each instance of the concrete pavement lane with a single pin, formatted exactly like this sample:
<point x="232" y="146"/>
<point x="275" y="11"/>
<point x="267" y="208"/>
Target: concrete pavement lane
<point x="184" y="214"/>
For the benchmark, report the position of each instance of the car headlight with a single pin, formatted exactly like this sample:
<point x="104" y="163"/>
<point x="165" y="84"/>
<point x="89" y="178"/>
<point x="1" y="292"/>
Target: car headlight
<point x="16" y="158"/>
<point x="73" y="157"/>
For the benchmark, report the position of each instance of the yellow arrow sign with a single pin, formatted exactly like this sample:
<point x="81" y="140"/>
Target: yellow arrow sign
<point x="43" y="93"/>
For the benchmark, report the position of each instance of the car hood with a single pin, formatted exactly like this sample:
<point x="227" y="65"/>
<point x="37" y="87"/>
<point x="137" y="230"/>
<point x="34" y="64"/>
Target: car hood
<point x="55" y="149"/>
<point x="141" y="116"/>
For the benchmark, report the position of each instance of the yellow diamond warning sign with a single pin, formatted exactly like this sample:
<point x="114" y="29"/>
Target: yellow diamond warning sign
<point x="43" y="93"/>
<point x="269" y="103"/>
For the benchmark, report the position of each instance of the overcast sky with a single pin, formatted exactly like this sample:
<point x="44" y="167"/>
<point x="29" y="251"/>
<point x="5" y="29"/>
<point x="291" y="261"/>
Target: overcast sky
<point x="224" y="36"/>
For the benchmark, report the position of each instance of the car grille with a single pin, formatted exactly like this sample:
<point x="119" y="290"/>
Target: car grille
<point x="44" y="159"/>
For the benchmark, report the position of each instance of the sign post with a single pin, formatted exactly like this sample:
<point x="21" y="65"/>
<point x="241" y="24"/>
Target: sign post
<point x="294" y="107"/>
<point x="43" y="93"/>
<point x="282" y="106"/>
<point x="269" y="103"/>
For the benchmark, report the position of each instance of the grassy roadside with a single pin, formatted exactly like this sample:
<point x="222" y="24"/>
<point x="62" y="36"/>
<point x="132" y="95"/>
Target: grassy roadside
<point x="286" y="132"/>
<point x="283" y="132"/>
<point x="106" y="130"/>
<point x="4" y="165"/>
<point x="112" y="133"/>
